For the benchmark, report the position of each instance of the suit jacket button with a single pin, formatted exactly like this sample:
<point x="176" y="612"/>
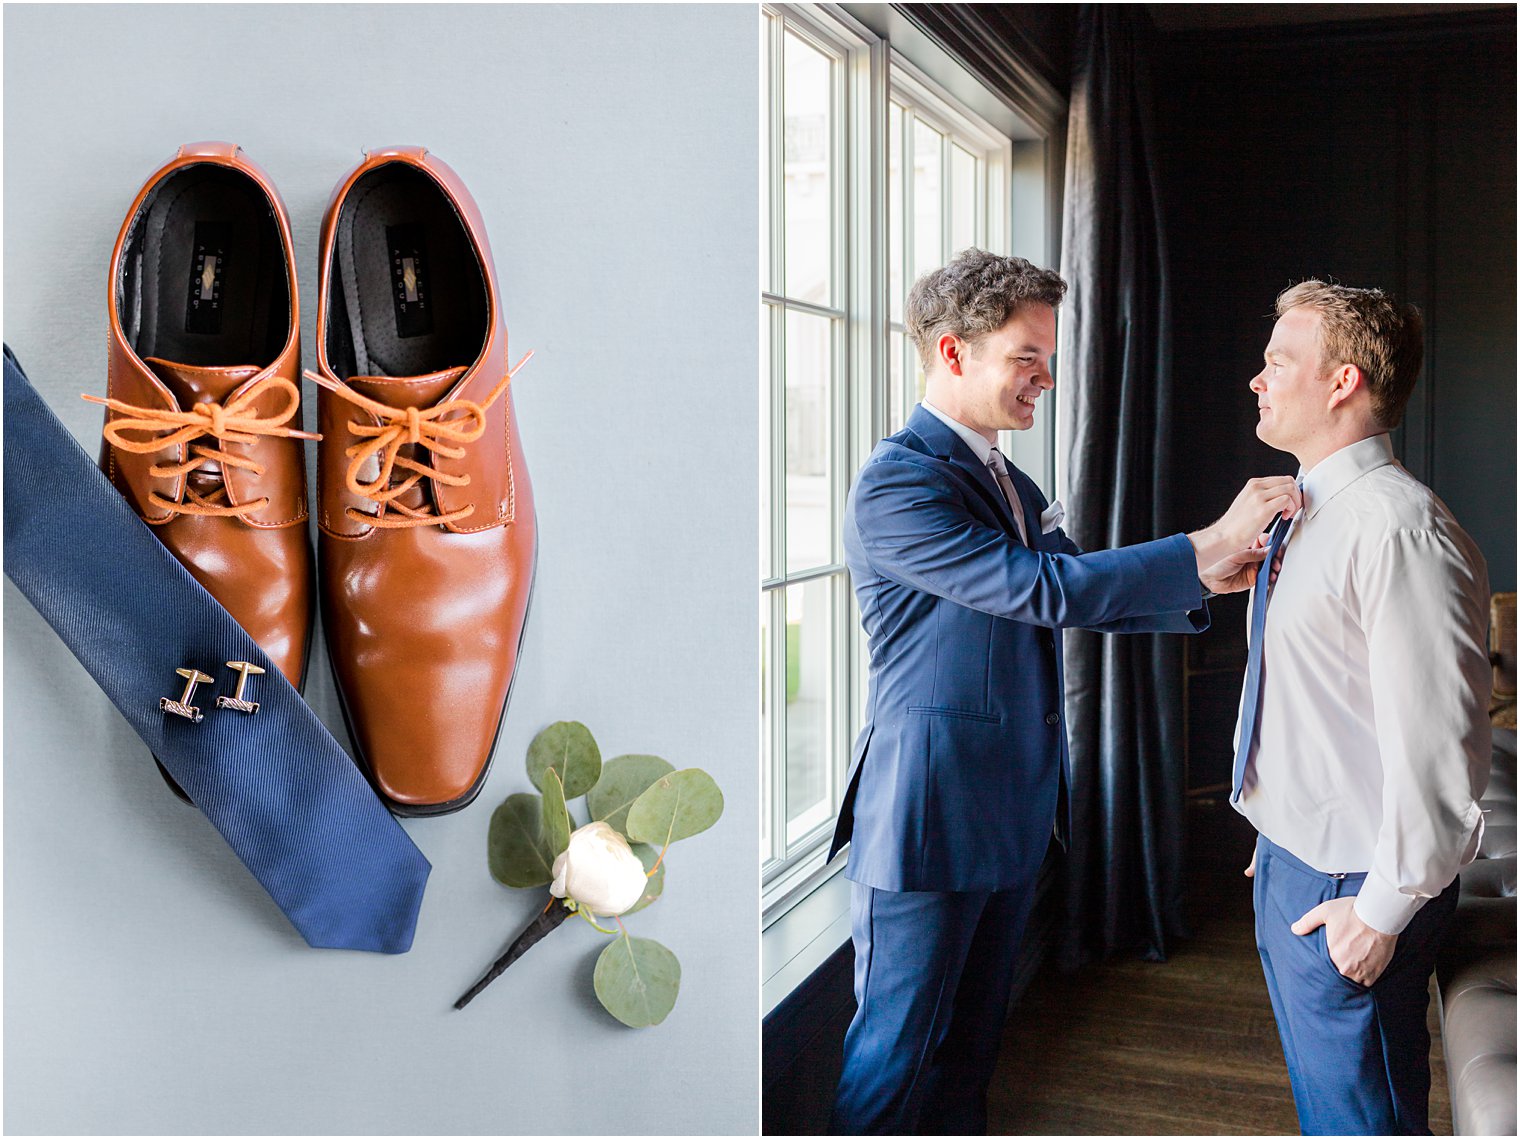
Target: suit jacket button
<point x="1052" y="718"/>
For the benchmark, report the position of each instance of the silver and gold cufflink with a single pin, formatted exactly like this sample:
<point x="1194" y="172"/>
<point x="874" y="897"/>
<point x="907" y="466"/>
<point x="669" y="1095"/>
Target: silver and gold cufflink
<point x="236" y="701"/>
<point x="182" y="706"/>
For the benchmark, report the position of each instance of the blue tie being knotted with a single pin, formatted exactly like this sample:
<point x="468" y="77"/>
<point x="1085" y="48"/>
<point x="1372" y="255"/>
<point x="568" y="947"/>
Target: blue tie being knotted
<point x="284" y="795"/>
<point x="1250" y="706"/>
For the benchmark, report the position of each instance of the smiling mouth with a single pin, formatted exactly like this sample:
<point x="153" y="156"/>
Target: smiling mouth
<point x="1027" y="400"/>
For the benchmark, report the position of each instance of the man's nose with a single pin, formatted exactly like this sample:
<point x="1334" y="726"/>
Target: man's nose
<point x="1259" y="383"/>
<point x="1044" y="380"/>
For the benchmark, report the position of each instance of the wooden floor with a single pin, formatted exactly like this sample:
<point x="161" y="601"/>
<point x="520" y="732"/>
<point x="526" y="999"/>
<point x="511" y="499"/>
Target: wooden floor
<point x="1187" y="1047"/>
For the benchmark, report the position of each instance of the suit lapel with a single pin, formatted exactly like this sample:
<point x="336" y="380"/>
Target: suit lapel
<point x="946" y="444"/>
<point x="989" y="484"/>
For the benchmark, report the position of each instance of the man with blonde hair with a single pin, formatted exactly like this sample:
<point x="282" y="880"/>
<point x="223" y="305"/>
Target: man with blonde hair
<point x="1363" y="742"/>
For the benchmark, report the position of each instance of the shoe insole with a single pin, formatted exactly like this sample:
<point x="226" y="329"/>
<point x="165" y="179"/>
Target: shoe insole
<point x="413" y="297"/>
<point x="204" y="279"/>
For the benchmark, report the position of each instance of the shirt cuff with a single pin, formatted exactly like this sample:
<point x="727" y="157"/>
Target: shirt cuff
<point x="1384" y="908"/>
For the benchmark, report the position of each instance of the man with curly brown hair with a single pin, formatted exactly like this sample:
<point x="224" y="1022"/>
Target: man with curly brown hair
<point x="964" y="580"/>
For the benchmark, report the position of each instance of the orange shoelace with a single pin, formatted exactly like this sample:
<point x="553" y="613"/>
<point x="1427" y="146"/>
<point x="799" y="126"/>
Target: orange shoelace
<point x="236" y="422"/>
<point x="442" y="429"/>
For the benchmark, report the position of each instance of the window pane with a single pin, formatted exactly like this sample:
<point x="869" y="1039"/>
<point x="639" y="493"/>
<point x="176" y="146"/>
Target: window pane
<point x="927" y="251"/>
<point x="767" y="558"/>
<point x="766" y="127"/>
<point x="897" y="410"/>
<point x="809" y="439"/>
<point x="808" y="130"/>
<point x="766" y="752"/>
<point x="896" y="287"/>
<point x="917" y="365"/>
<point x="963" y="199"/>
<point x="809" y="699"/>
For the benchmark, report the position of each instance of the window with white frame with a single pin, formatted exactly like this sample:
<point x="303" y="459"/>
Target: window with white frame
<point x="870" y="175"/>
<point x="947" y="176"/>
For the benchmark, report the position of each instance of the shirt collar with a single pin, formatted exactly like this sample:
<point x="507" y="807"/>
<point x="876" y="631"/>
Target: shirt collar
<point x="1340" y="469"/>
<point x="973" y="439"/>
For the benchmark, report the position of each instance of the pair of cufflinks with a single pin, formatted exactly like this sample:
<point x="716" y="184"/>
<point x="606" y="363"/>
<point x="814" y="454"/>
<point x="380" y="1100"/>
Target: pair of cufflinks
<point x="193" y="676"/>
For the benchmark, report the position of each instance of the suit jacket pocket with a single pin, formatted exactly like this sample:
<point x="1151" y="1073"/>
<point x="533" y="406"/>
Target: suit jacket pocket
<point x="954" y="714"/>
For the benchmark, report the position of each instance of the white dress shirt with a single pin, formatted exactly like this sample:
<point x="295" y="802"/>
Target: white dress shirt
<point x="1374" y="742"/>
<point x="989" y="456"/>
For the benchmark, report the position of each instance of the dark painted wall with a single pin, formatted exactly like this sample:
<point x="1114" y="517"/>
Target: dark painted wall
<point x="1380" y="154"/>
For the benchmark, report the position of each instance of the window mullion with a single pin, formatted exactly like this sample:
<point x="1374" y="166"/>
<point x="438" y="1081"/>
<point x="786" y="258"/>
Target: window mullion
<point x="946" y="198"/>
<point x="777" y="131"/>
<point x="777" y="821"/>
<point x="872" y="310"/>
<point x="979" y="203"/>
<point x="776" y="625"/>
<point x="909" y="222"/>
<point x="905" y="172"/>
<point x="841" y="357"/>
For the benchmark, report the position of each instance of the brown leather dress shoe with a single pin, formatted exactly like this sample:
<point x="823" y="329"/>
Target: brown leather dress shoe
<point x="203" y="398"/>
<point x="427" y="537"/>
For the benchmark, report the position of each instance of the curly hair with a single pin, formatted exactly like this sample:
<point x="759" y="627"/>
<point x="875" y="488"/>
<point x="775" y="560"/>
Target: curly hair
<point x="973" y="295"/>
<point x="1370" y="329"/>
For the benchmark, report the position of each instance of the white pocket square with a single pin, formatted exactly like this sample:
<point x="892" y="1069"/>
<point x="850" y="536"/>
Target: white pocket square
<point x="1053" y="516"/>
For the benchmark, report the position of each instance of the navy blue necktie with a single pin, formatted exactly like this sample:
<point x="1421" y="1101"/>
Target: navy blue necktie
<point x="284" y="795"/>
<point x="1250" y="707"/>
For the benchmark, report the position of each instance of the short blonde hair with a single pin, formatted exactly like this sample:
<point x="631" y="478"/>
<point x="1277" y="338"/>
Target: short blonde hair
<point x="1370" y="329"/>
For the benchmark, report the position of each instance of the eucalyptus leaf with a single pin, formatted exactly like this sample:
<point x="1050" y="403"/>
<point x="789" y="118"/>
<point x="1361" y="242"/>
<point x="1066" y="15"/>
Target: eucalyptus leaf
<point x="623" y="780"/>
<point x="675" y="806"/>
<point x="637" y="981"/>
<point x="648" y="855"/>
<point x="516" y="849"/>
<point x="556" y="816"/>
<point x="568" y="748"/>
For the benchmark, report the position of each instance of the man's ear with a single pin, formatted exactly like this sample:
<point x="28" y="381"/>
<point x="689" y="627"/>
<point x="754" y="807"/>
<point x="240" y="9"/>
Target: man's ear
<point x="1345" y="381"/>
<point x="951" y="350"/>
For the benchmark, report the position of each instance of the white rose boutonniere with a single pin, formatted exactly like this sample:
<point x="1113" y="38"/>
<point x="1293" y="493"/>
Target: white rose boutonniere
<point x="612" y="866"/>
<point x="599" y="871"/>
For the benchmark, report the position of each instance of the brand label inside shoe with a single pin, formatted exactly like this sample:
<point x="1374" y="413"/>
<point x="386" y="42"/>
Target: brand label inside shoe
<point x="208" y="266"/>
<point x="409" y="280"/>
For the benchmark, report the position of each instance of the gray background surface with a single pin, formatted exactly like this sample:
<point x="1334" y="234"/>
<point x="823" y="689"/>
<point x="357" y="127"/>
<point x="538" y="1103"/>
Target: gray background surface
<point x="150" y="985"/>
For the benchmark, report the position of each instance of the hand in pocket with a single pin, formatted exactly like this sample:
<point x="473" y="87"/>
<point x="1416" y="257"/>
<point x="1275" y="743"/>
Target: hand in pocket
<point x="1359" y="952"/>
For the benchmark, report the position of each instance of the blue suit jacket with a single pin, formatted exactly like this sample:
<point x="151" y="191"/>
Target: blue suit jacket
<point x="956" y="775"/>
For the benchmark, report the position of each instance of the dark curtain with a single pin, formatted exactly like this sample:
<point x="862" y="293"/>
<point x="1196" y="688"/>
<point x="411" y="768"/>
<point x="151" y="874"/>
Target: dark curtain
<point x="1124" y="864"/>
